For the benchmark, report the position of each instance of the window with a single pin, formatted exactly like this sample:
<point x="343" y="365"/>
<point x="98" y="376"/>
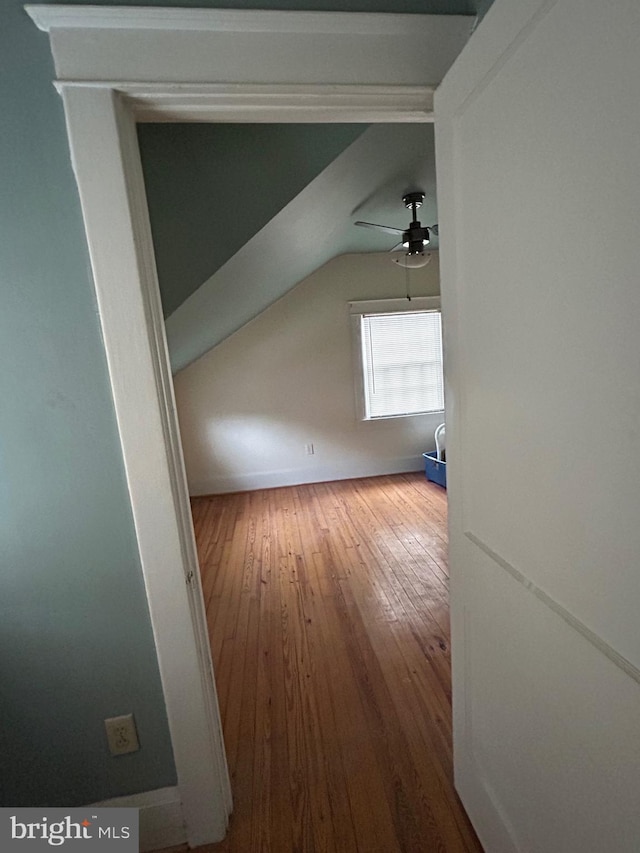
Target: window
<point x="399" y="357"/>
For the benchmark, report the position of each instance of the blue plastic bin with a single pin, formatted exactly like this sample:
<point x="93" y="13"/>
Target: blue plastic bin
<point x="436" y="471"/>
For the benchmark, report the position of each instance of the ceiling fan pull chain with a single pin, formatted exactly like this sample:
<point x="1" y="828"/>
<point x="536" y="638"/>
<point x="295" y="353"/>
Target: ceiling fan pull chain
<point x="406" y="269"/>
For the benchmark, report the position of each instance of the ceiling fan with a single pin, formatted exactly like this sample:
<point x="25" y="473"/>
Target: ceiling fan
<point x="415" y="237"/>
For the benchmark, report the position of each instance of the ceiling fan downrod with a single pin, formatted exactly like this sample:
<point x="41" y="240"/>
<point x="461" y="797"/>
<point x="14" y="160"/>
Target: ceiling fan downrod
<point x="413" y="201"/>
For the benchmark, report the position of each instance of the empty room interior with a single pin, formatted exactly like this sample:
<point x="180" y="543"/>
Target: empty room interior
<point x="304" y="419"/>
<point x="255" y="590"/>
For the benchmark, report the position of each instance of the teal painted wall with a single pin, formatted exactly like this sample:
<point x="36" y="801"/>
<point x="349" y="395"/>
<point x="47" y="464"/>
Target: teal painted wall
<point x="75" y="638"/>
<point x="482" y="7"/>
<point x="211" y="187"/>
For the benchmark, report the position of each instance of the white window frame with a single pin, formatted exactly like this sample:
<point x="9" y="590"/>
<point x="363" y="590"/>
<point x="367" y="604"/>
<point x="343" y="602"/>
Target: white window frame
<point x="381" y="306"/>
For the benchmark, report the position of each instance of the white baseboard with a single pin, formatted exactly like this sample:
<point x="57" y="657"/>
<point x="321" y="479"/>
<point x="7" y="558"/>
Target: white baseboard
<point x="161" y="823"/>
<point x="248" y="481"/>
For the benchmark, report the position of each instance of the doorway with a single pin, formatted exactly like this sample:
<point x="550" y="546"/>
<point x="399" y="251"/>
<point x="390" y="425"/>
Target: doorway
<point x="113" y="68"/>
<point x="246" y="409"/>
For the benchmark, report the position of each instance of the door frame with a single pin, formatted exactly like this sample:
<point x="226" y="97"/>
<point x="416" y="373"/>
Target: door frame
<point x="93" y="47"/>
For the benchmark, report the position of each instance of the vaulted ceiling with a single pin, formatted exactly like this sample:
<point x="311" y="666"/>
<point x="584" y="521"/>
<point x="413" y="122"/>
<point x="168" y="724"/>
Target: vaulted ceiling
<point x="241" y="213"/>
<point x="211" y="187"/>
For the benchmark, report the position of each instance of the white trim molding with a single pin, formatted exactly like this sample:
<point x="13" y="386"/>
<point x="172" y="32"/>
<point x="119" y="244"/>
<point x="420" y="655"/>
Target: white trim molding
<point x="363" y="104"/>
<point x="388" y="306"/>
<point x="103" y="143"/>
<point x="207" y="102"/>
<point x="115" y="67"/>
<point x="160" y="816"/>
<point x="48" y="18"/>
<point x="216" y="46"/>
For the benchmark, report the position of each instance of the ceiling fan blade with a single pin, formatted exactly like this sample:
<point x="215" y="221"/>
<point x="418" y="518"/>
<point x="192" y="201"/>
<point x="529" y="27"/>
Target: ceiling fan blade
<point x="434" y="229"/>
<point x="385" y="228"/>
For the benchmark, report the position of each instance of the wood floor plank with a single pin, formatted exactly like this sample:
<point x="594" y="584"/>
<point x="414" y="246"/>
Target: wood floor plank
<point x="329" y="625"/>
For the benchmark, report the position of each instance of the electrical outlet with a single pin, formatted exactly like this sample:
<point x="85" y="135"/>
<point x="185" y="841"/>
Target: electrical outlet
<point x="309" y="449"/>
<point x="122" y="735"/>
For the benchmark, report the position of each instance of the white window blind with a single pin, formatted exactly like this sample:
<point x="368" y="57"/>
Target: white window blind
<point x="402" y="363"/>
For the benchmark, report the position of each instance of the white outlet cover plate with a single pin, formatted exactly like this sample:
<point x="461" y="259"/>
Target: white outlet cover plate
<point x="122" y="735"/>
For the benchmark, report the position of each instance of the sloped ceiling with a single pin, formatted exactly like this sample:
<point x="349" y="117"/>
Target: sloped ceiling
<point x="211" y="187"/>
<point x="365" y="181"/>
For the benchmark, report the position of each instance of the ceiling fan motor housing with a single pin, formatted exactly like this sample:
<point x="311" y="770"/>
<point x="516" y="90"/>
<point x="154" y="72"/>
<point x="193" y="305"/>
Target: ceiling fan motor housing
<point x="413" y="200"/>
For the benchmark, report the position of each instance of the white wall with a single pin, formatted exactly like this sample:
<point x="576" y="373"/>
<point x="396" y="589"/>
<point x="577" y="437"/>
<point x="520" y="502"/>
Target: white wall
<point x="249" y="406"/>
<point x="537" y="129"/>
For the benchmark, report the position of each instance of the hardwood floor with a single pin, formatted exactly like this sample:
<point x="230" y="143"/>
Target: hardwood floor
<point x="329" y="625"/>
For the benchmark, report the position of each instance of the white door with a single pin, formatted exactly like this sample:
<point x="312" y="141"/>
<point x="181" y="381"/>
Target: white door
<point x="538" y="150"/>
